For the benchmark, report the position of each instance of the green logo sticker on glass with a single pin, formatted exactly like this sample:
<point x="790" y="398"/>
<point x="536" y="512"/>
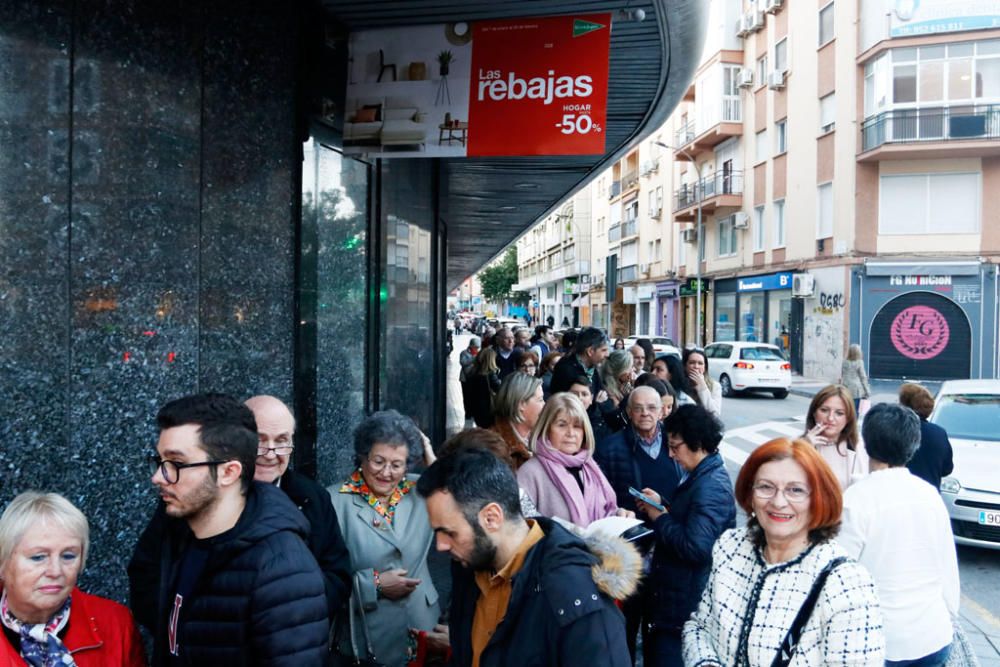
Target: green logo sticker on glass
<point x="583" y="27"/>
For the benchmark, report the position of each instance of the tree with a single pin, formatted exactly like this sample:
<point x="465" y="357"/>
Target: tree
<point x="498" y="277"/>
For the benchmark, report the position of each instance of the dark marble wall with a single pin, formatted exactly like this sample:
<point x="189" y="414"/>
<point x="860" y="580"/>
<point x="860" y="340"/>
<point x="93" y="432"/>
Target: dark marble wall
<point x="149" y="175"/>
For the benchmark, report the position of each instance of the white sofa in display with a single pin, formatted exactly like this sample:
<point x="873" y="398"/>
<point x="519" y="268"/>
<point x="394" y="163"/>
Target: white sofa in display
<point x="395" y="123"/>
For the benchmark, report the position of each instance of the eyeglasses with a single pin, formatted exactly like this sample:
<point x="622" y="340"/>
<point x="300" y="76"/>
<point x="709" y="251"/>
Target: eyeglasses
<point x="526" y="366"/>
<point x="650" y="409"/>
<point x="395" y="467"/>
<point x="281" y="450"/>
<point x="171" y="470"/>
<point x="793" y="493"/>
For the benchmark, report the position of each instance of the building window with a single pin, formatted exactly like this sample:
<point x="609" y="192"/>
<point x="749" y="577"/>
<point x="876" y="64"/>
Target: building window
<point x="758" y="228"/>
<point x="781" y="56"/>
<point x="827" y="113"/>
<point x="762" y="70"/>
<point x="942" y="203"/>
<point x="824" y="211"/>
<point x="681" y="249"/>
<point x="727" y="237"/>
<point x="779" y="223"/>
<point x="826" y="24"/>
<point x="652" y="203"/>
<point x="657" y="251"/>
<point x="659" y="197"/>
<point x="780" y="139"/>
<point x="761" y="146"/>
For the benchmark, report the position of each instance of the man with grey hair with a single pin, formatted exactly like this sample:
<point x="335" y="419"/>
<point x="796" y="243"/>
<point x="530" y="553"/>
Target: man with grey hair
<point x="507" y="354"/>
<point x="275" y="434"/>
<point x="896" y="525"/>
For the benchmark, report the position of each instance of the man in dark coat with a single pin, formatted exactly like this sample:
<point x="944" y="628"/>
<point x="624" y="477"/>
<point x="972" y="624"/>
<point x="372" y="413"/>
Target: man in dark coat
<point x="590" y="350"/>
<point x="508" y="355"/>
<point x="222" y="574"/>
<point x="275" y="433"/>
<point x="527" y="592"/>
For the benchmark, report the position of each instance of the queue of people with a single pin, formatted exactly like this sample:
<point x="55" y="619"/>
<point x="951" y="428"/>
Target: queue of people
<point x="846" y="556"/>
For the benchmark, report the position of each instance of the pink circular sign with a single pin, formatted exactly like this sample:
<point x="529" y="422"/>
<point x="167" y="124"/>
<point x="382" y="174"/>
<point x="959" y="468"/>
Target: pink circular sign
<point x="919" y="332"/>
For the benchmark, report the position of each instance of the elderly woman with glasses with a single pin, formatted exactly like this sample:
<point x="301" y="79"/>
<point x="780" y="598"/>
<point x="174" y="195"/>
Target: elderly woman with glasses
<point x="762" y="574"/>
<point x="46" y="619"/>
<point x="385" y="525"/>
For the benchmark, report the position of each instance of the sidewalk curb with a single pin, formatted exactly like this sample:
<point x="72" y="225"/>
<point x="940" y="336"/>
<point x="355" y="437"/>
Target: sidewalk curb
<point x="803" y="391"/>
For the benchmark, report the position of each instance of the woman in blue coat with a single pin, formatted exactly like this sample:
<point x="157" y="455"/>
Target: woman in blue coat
<point x="701" y="509"/>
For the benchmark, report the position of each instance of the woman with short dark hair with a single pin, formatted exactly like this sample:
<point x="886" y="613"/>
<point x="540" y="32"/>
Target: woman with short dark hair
<point x="700" y="510"/>
<point x="933" y="459"/>
<point x="762" y="574"/>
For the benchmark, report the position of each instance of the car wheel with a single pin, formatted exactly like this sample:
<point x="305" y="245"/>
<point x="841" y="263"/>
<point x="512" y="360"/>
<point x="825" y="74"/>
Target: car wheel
<point x="780" y="393"/>
<point x="727" y="386"/>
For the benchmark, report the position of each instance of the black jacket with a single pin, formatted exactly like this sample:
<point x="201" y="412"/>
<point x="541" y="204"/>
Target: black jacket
<point x="616" y="455"/>
<point x="702" y="508"/>
<point x="558" y="614"/>
<point x="478" y="392"/>
<point x="324" y="541"/>
<point x="569" y="369"/>
<point x="259" y="601"/>
<point x="933" y="459"/>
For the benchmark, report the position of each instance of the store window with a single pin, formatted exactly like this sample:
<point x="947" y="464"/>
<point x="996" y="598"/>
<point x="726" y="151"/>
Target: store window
<point x="725" y="316"/>
<point x="779" y="312"/>
<point x="751" y="326"/>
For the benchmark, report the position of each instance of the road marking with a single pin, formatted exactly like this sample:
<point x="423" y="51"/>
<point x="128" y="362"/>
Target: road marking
<point x="981" y="612"/>
<point x="755" y="436"/>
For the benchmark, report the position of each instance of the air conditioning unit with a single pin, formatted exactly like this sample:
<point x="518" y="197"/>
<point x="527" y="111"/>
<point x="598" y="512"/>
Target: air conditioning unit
<point x="644" y="269"/>
<point x="772" y="6"/>
<point x="655" y="213"/>
<point x="745" y="78"/>
<point x="756" y="20"/>
<point x="742" y="26"/>
<point x="803" y="284"/>
<point x="650" y="166"/>
<point x="689" y="235"/>
<point x="741" y="220"/>
<point x="776" y="80"/>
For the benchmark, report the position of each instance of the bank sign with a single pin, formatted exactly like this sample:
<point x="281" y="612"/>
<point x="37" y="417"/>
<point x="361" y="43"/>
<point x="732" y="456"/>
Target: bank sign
<point x="532" y="86"/>
<point x="762" y="283"/>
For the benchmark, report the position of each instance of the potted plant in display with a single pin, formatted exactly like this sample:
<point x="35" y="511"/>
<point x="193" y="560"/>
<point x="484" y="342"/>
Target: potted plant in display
<point x="444" y="60"/>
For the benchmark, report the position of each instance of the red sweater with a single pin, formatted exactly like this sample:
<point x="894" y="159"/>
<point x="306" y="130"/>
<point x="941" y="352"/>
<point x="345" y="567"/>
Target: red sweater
<point x="100" y="633"/>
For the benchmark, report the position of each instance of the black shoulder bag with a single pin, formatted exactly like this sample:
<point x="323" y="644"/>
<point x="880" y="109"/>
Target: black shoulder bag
<point x="791" y="641"/>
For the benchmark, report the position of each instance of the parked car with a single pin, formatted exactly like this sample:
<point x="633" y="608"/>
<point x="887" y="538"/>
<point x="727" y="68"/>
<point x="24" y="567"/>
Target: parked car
<point x="969" y="410"/>
<point x="661" y="344"/>
<point x="742" y="365"/>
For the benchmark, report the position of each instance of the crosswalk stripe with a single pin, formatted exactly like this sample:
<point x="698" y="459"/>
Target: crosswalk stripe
<point x="755" y="436"/>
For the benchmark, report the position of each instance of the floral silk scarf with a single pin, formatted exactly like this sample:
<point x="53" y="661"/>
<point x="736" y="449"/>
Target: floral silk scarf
<point x="40" y="643"/>
<point x="356" y="484"/>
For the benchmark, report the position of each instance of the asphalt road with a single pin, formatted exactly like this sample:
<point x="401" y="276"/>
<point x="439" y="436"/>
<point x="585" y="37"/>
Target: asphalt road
<point x="979" y="568"/>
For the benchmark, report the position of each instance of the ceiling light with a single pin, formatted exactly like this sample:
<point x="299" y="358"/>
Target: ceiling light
<point x="526" y="186"/>
<point x="508" y="207"/>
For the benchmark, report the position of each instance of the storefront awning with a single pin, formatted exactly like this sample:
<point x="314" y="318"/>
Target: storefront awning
<point x="921" y="268"/>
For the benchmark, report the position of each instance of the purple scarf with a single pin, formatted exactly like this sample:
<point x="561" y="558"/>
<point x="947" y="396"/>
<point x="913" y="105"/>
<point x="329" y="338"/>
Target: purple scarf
<point x="596" y="501"/>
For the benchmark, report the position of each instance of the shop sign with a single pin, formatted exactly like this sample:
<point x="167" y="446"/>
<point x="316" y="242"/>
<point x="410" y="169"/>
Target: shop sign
<point x="911" y="18"/>
<point x="667" y="293"/>
<point x="646" y="292"/>
<point x="920" y="335"/>
<point x="569" y="286"/>
<point x="523" y="86"/>
<point x="917" y="281"/>
<point x="762" y="283"/>
<point x="690" y="288"/>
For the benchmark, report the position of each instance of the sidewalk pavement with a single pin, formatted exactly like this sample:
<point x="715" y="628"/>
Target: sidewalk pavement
<point x="981" y="627"/>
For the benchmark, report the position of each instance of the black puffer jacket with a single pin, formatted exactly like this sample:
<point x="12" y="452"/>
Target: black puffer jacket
<point x="561" y="611"/>
<point x="259" y="601"/>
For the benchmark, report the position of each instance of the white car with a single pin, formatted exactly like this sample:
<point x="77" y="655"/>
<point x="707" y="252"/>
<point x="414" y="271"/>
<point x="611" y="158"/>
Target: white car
<point x="738" y="366"/>
<point x="969" y="410"/>
<point x="661" y="344"/>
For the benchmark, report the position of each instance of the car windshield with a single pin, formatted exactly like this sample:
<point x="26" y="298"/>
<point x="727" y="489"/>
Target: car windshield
<point x="970" y="416"/>
<point x="761" y="354"/>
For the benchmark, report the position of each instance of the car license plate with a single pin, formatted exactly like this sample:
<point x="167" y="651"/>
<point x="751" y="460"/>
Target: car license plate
<point x="989" y="518"/>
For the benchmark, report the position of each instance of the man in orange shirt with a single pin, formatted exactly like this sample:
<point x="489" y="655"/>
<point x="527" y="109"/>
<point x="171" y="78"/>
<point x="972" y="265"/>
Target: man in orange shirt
<point x="527" y="592"/>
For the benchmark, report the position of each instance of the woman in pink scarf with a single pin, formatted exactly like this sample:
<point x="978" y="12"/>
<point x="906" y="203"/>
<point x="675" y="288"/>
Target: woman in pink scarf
<point x="562" y="478"/>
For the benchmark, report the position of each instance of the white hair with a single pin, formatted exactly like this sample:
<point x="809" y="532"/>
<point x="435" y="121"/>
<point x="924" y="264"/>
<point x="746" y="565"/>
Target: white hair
<point x="31" y="507"/>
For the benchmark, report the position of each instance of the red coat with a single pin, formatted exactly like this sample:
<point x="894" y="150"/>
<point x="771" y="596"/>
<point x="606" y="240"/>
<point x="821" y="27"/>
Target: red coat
<point x="101" y="634"/>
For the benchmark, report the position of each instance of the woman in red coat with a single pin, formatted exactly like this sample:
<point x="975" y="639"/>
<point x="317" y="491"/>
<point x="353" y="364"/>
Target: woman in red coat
<point x="45" y="620"/>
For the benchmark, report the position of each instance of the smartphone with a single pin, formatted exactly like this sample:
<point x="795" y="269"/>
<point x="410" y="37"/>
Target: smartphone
<point x="646" y="499"/>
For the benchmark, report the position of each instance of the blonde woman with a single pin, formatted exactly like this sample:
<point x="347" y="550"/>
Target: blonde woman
<point x="854" y="377"/>
<point x="617" y="375"/>
<point x="562" y="477"/>
<point x="516" y="408"/>
<point x="482" y="383"/>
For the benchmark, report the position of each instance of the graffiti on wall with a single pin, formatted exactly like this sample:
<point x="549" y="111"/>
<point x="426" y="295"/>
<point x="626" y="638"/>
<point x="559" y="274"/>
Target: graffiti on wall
<point x="830" y="303"/>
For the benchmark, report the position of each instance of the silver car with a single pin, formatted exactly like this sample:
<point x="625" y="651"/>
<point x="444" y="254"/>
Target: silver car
<point x="969" y="411"/>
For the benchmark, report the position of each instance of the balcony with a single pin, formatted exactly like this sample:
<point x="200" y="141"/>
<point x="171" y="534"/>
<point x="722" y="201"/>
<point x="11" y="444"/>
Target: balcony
<point x="615" y="189"/>
<point x="721" y="189"/>
<point x="628" y="273"/>
<point x="614" y="233"/>
<point x="630" y="180"/>
<point x="725" y="121"/>
<point x="629" y="228"/>
<point x="934" y="132"/>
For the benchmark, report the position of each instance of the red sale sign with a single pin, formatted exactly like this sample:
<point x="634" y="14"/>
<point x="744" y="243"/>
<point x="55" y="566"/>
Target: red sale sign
<point x="539" y="86"/>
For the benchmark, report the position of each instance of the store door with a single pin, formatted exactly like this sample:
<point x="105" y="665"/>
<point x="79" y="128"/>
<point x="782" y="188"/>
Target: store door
<point x="920" y="335"/>
<point x="796" y="325"/>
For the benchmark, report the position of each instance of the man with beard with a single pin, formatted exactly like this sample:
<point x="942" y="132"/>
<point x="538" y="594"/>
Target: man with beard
<point x="223" y="562"/>
<point x="528" y="591"/>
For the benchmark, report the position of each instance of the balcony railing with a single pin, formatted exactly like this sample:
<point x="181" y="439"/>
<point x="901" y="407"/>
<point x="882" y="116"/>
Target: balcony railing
<point x="713" y="185"/>
<point x="627" y="273"/>
<point x="732" y="110"/>
<point x="615" y="189"/>
<point x="614" y="233"/>
<point x="629" y="228"/>
<point x="931" y="124"/>
<point x="685" y="135"/>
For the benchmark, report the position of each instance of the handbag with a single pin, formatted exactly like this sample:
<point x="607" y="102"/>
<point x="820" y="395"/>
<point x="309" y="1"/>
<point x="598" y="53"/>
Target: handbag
<point x="791" y="641"/>
<point x="962" y="654"/>
<point x="354" y="660"/>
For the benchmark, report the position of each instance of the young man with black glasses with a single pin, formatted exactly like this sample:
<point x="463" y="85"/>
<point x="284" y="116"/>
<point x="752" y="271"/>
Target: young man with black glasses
<point x="224" y="559"/>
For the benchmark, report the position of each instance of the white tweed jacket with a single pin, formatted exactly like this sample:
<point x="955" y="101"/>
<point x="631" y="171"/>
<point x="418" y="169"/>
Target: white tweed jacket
<point x="748" y="606"/>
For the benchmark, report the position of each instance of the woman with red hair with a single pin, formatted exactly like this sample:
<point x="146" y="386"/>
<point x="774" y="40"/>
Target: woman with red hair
<point x="763" y="574"/>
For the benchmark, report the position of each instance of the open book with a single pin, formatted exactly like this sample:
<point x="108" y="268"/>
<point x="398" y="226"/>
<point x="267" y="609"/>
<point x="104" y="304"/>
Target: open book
<point x="628" y="529"/>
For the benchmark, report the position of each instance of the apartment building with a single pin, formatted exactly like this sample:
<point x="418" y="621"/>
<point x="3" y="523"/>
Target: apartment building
<point x="845" y="159"/>
<point x="554" y="263"/>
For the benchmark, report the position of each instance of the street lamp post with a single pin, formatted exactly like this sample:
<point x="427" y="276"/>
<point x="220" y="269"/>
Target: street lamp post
<point x="698" y="190"/>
